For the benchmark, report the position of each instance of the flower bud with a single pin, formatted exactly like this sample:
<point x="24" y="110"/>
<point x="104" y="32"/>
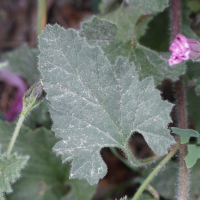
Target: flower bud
<point x="182" y="49"/>
<point x="33" y="97"/>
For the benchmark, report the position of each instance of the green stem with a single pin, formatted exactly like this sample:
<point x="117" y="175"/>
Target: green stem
<point x="154" y="172"/>
<point x="136" y="162"/>
<point x="114" y="151"/>
<point x="15" y="134"/>
<point x="18" y="127"/>
<point x="42" y="15"/>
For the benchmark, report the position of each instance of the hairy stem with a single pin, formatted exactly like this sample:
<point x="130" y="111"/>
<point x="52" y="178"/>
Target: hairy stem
<point x="154" y="172"/>
<point x="114" y="151"/>
<point x="41" y="16"/>
<point x="15" y="134"/>
<point x="180" y="107"/>
<point x="175" y="17"/>
<point x="22" y="117"/>
<point x="134" y="161"/>
<point x="182" y="123"/>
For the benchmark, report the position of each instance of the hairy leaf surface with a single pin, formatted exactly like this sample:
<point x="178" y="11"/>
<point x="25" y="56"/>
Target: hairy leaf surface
<point x="10" y="167"/>
<point x="44" y="177"/>
<point x="95" y="104"/>
<point x="109" y="37"/>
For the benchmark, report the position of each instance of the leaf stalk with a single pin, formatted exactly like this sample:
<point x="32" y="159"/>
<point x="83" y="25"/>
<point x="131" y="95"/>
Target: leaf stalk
<point x="155" y="171"/>
<point x="15" y="133"/>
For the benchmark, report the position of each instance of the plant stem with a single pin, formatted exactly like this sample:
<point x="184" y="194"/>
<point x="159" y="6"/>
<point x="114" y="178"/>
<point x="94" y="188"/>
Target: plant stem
<point x="180" y="108"/>
<point x="114" y="151"/>
<point x="18" y="126"/>
<point x="154" y="172"/>
<point x="41" y="16"/>
<point x="134" y="161"/>
<point x="175" y="17"/>
<point x="182" y="123"/>
<point x="15" y="133"/>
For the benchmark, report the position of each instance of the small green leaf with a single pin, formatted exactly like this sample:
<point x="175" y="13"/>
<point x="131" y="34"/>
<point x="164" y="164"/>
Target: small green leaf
<point x="23" y="61"/>
<point x="148" y="62"/>
<point x="95" y="104"/>
<point x="44" y="177"/>
<point x="10" y="167"/>
<point x="152" y="6"/>
<point x="185" y="134"/>
<point x="192" y="156"/>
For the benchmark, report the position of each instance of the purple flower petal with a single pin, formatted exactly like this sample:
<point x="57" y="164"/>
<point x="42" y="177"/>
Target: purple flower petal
<point x="182" y="49"/>
<point x="17" y="82"/>
<point x="174" y="59"/>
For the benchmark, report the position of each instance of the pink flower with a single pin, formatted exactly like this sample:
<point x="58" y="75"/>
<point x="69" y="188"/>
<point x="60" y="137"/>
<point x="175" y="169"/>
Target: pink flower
<point x="17" y="82"/>
<point x="182" y="49"/>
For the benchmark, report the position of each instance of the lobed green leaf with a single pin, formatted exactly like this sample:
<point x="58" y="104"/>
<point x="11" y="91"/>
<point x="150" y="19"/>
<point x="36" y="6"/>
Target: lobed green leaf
<point x="45" y="177"/>
<point x="95" y="104"/>
<point x="10" y="167"/>
<point x="148" y="62"/>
